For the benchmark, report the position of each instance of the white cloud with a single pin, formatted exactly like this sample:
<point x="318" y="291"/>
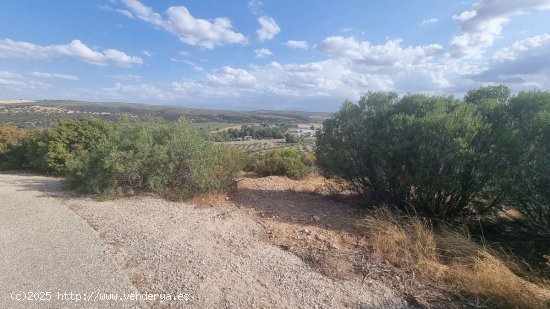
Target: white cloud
<point x="233" y="77"/>
<point x="190" y="30"/>
<point x="17" y="84"/>
<point x="429" y="21"/>
<point x="125" y="77"/>
<point x="7" y="74"/>
<point x="143" y="92"/>
<point x="262" y="53"/>
<point x="201" y="32"/>
<point x="483" y="24"/>
<point x="268" y="28"/>
<point x="75" y="49"/>
<point x="337" y="46"/>
<point x="121" y="11"/>
<point x="255" y="6"/>
<point x="125" y="13"/>
<point x="296" y="44"/>
<point x="54" y="75"/>
<point x="465" y="16"/>
<point x="525" y="64"/>
<point x="147" y="53"/>
<point x="9" y="80"/>
<point x="525" y="46"/>
<point x="328" y="78"/>
<point x="190" y="63"/>
<point x="351" y="69"/>
<point x="389" y="54"/>
<point x="322" y="85"/>
<point x="143" y="12"/>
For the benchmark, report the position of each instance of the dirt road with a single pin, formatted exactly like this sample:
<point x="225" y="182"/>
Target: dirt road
<point x="211" y="255"/>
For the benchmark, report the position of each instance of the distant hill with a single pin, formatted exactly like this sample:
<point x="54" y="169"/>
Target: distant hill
<point x="46" y="113"/>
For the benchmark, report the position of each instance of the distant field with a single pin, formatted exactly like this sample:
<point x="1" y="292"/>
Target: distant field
<point x="259" y="146"/>
<point x="231" y="126"/>
<point x="46" y="113"/>
<point x="14" y="101"/>
<point x="214" y="126"/>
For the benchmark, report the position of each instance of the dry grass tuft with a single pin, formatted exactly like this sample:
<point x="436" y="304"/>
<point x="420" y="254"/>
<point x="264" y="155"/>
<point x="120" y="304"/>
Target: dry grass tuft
<point x="449" y="261"/>
<point x="491" y="280"/>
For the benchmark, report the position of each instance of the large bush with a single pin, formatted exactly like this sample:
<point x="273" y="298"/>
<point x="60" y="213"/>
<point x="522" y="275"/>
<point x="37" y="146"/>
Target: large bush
<point x="12" y="141"/>
<point x="444" y="157"/>
<point x="529" y="181"/>
<point x="70" y="137"/>
<point x="47" y="151"/>
<point x="170" y="159"/>
<point x="288" y="161"/>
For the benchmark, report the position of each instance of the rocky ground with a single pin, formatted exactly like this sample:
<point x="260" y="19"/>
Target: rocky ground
<point x="274" y="243"/>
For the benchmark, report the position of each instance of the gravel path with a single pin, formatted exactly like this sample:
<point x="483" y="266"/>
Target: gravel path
<point x="45" y="247"/>
<point x="213" y="256"/>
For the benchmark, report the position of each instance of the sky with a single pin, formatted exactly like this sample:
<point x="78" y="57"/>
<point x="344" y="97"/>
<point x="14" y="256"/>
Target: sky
<point x="268" y="54"/>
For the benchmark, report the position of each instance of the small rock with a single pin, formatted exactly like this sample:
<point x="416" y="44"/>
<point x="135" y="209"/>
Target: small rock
<point x="316" y="218"/>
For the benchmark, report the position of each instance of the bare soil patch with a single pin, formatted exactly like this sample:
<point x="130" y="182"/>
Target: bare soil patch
<point x="230" y="256"/>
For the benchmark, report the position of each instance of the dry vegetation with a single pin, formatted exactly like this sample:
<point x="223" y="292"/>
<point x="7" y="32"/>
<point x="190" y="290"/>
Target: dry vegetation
<point x="433" y="267"/>
<point x="451" y="262"/>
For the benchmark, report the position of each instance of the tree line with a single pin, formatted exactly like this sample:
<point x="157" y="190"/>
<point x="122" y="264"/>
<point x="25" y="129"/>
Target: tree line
<point x="254" y="131"/>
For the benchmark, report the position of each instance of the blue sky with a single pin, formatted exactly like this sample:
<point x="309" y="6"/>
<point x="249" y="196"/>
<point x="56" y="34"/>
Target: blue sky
<point x="275" y="54"/>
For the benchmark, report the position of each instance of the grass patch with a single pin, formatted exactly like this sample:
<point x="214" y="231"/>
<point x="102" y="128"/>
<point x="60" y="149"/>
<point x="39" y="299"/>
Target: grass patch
<point x="451" y="262"/>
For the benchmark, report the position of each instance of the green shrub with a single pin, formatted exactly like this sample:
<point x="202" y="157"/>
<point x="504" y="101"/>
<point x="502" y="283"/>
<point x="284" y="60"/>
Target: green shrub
<point x="445" y="157"/>
<point x="172" y="160"/>
<point x="35" y="151"/>
<point x="528" y="181"/>
<point x="12" y="141"/>
<point x="434" y="153"/>
<point x="282" y="162"/>
<point x="70" y="137"/>
<point x="249" y="160"/>
<point x="292" y="138"/>
<point x="47" y="151"/>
